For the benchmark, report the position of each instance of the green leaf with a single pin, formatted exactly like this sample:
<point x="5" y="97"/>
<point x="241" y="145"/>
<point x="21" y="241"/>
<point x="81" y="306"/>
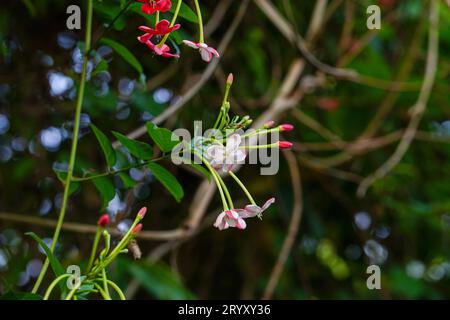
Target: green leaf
<point x="168" y="180"/>
<point x="107" y="148"/>
<point x="106" y="189"/>
<point x="107" y="12"/>
<point x="11" y="295"/>
<point x="185" y="12"/>
<point x="100" y="67"/>
<point x="124" y="53"/>
<point x="161" y="136"/>
<point x="160" y="281"/>
<point x="138" y="149"/>
<point x="54" y="263"/>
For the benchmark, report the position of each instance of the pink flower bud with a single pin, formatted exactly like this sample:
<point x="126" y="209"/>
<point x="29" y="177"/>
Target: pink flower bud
<point x="286" y="127"/>
<point x="103" y="221"/>
<point x="285" y="144"/>
<point x="142" y="212"/>
<point x="137" y="229"/>
<point x="269" y="124"/>
<point x="230" y="79"/>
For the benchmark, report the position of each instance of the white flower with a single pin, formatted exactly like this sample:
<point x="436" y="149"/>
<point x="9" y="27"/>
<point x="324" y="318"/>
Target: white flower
<point x="227" y="157"/>
<point x="206" y="51"/>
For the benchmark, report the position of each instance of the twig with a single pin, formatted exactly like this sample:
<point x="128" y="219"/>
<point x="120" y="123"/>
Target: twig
<point x="87" y="228"/>
<point x="293" y="226"/>
<point x="419" y="108"/>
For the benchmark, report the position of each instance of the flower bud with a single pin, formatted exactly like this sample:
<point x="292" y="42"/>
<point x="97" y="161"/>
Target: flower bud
<point x="230" y="79"/>
<point x="142" y="212"/>
<point x="286" y="127"/>
<point x="137" y="229"/>
<point x="269" y="124"/>
<point x="103" y="221"/>
<point x="285" y="144"/>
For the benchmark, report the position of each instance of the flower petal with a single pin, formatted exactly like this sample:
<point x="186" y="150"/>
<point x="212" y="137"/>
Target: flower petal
<point x="206" y="55"/>
<point x="233" y="142"/>
<point x="213" y="51"/>
<point x="267" y="204"/>
<point x="191" y="44"/>
<point x="251" y="211"/>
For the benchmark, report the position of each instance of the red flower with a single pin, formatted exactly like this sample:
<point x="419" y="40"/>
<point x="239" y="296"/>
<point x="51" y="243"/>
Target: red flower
<point x="163" y="51"/>
<point x="162" y="28"/>
<point x="151" y="6"/>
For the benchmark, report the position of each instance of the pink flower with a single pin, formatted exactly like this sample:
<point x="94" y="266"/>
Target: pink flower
<point x="253" y="210"/>
<point x="151" y="6"/>
<point x="230" y="218"/>
<point x="235" y="218"/>
<point x="162" y="28"/>
<point x="205" y="51"/>
<point x="163" y="51"/>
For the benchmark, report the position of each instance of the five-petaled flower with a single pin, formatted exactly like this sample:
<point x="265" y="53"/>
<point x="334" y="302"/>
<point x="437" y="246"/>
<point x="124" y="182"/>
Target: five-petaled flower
<point x="151" y="6"/>
<point x="205" y="51"/>
<point x="162" y="28"/>
<point x="226" y="157"/>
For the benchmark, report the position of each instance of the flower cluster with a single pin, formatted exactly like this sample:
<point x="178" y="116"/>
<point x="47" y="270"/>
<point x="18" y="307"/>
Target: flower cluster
<point x="223" y="150"/>
<point x="155" y="38"/>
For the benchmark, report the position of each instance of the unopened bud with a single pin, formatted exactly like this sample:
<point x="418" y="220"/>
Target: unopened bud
<point x="285" y="144"/>
<point x="103" y="221"/>
<point x="142" y="212"/>
<point x="269" y="124"/>
<point x="230" y="79"/>
<point x="137" y="229"/>
<point x="286" y="127"/>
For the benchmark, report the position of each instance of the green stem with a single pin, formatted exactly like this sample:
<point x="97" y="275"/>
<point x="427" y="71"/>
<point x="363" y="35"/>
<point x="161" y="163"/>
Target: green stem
<point x="73" y="150"/>
<point x="105" y="283"/>
<point x="172" y="23"/>
<point x="53" y="284"/>
<point x="111" y="24"/>
<point x="214" y="175"/>
<point x="102" y="292"/>
<point x="117" y="289"/>
<point x="110" y="173"/>
<point x="94" y="248"/>
<point x="200" y="22"/>
<point x="262" y="146"/>
<point x="239" y="182"/>
<point x="225" y="189"/>
<point x="72" y="292"/>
